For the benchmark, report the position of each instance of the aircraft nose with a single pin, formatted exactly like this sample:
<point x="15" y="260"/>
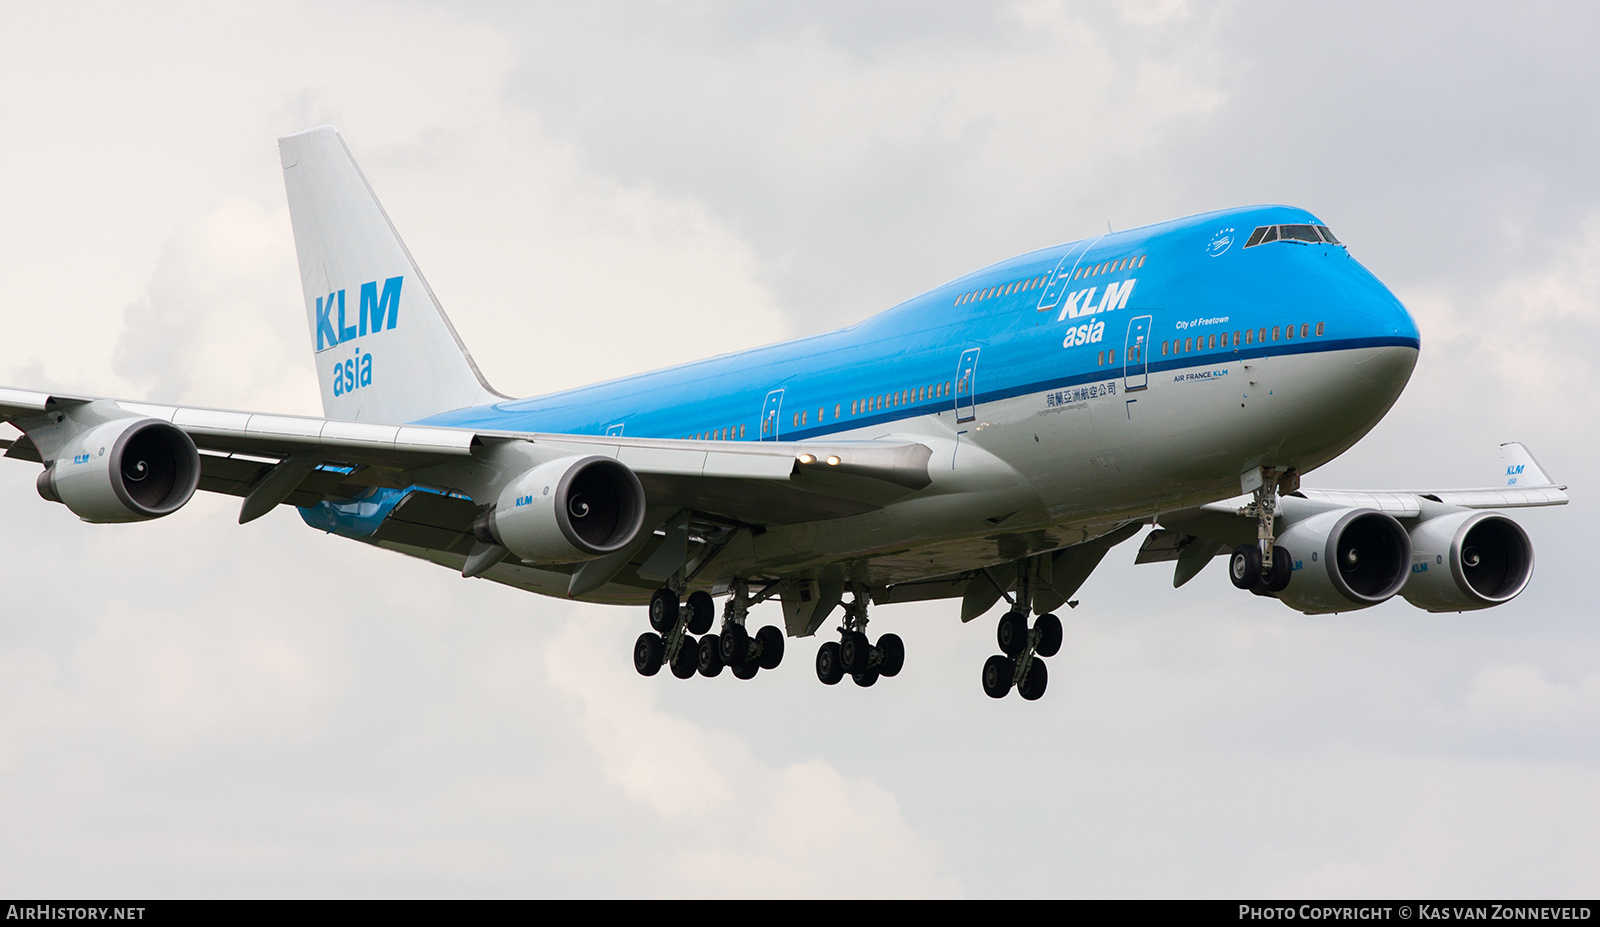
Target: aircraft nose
<point x="1368" y="325"/>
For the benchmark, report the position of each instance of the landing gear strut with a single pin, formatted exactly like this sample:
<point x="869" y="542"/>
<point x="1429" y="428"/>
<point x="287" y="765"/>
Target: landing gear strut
<point x="854" y="654"/>
<point x="1018" y="664"/>
<point x="1264" y="568"/>
<point x="671" y="640"/>
<point x="735" y="648"/>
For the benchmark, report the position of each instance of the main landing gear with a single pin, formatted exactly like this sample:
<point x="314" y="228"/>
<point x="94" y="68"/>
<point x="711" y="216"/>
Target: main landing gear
<point x="1018" y="663"/>
<point x="1263" y="567"/>
<point x="671" y="640"/>
<point x="854" y="654"/>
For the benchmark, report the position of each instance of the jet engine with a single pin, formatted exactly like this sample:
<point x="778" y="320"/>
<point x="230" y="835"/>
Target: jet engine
<point x="1344" y="560"/>
<point x="128" y="469"/>
<point x="575" y="508"/>
<point x="1468" y="560"/>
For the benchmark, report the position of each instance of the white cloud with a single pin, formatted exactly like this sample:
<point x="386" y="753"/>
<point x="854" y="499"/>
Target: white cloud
<point x="1520" y="698"/>
<point x="739" y="820"/>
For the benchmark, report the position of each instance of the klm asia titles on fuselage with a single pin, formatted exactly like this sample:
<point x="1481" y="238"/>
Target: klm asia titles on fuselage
<point x="376" y="312"/>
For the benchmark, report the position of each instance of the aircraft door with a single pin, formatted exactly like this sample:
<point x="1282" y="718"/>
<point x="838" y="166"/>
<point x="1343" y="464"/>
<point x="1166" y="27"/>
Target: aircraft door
<point x="769" y="415"/>
<point x="1136" y="354"/>
<point x="1061" y="277"/>
<point x="967" y="386"/>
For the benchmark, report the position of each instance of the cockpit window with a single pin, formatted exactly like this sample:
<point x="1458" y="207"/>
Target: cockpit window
<point x="1315" y="234"/>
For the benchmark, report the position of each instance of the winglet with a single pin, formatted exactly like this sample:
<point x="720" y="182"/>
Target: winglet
<point x="1521" y="468"/>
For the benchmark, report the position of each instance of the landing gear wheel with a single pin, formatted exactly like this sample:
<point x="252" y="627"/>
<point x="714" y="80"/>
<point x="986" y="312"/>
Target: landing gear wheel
<point x="710" y="656"/>
<point x="829" y="669"/>
<point x="1244" y="566"/>
<point x="854" y="652"/>
<point x="1032" y="685"/>
<point x="1012" y="634"/>
<point x="687" y="662"/>
<point x="770" y="641"/>
<point x="747" y="670"/>
<point x="894" y="654"/>
<point x="866" y="678"/>
<point x="735" y="646"/>
<point x="663" y="610"/>
<point x="702" y="611"/>
<point x="1282" y="571"/>
<point x="997" y="673"/>
<point x="1050" y="635"/>
<point x="647" y="652"/>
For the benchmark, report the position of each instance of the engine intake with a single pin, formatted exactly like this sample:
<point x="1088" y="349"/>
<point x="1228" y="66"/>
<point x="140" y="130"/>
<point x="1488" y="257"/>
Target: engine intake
<point x="1344" y="560"/>
<point x="130" y="469"/>
<point x="575" y="508"/>
<point x="1468" y="560"/>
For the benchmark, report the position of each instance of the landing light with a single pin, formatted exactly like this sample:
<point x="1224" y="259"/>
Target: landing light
<point x="807" y="459"/>
<point x="833" y="460"/>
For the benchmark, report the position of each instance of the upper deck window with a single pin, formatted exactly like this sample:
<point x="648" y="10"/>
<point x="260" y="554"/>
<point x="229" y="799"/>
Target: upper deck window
<point x="1311" y="234"/>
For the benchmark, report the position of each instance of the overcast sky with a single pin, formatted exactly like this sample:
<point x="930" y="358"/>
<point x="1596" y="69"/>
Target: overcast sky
<point x="191" y="707"/>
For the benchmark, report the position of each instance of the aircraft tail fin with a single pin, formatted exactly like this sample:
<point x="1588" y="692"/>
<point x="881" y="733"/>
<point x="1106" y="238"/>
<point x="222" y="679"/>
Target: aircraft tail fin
<point x="385" y="351"/>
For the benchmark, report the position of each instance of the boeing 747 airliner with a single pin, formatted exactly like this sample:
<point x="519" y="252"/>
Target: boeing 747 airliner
<point x="991" y="438"/>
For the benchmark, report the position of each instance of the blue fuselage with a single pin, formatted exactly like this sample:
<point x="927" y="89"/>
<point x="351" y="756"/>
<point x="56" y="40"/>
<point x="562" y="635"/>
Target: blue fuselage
<point x="984" y="337"/>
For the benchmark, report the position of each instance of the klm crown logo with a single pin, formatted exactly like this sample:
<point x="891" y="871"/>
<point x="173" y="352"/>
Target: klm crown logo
<point x="377" y="312"/>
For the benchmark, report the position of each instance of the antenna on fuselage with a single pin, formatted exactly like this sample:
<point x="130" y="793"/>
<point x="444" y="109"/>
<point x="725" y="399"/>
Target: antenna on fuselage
<point x="1108" y="226"/>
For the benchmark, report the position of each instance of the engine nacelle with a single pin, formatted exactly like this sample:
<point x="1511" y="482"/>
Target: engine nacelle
<point x="1468" y="560"/>
<point x="575" y="508"/>
<point x="129" y="469"/>
<point x="1344" y="560"/>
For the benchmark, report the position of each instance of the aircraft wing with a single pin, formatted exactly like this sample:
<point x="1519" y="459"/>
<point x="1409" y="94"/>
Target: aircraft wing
<point x="272" y="459"/>
<point x="1192" y="536"/>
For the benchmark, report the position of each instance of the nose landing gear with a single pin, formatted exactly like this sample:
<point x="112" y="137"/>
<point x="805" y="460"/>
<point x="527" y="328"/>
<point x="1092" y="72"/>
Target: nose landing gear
<point x="1263" y="567"/>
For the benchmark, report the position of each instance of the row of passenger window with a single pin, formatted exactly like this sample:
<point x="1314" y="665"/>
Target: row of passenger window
<point x="1006" y="289"/>
<point x="1224" y="339"/>
<point x="804" y="417"/>
<point x="892" y="400"/>
<point x="918" y="394"/>
<point x="898" y="398"/>
<point x="1250" y="336"/>
<point x="1109" y="267"/>
<point x="731" y="433"/>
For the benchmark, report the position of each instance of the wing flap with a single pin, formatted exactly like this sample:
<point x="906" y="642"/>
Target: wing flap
<point x="431" y="520"/>
<point x="236" y="476"/>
